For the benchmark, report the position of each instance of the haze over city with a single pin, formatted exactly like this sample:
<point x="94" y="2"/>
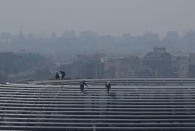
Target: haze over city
<point x="97" y="65"/>
<point x="113" y="17"/>
<point x="48" y="35"/>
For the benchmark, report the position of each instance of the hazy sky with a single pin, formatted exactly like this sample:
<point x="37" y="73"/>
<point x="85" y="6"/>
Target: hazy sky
<point x="103" y="16"/>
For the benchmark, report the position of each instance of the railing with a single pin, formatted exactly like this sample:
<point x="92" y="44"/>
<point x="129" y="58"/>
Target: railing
<point x="125" y="81"/>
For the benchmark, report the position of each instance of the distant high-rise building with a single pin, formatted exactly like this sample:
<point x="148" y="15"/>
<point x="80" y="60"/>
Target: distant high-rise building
<point x="180" y="66"/>
<point x="158" y="63"/>
<point x="191" y="68"/>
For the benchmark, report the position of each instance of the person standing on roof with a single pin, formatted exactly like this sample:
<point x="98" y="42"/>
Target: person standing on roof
<point x="108" y="86"/>
<point x="62" y="74"/>
<point x="57" y="76"/>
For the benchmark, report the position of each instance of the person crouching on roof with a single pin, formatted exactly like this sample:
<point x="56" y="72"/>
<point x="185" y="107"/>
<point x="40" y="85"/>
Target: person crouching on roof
<point x="82" y="85"/>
